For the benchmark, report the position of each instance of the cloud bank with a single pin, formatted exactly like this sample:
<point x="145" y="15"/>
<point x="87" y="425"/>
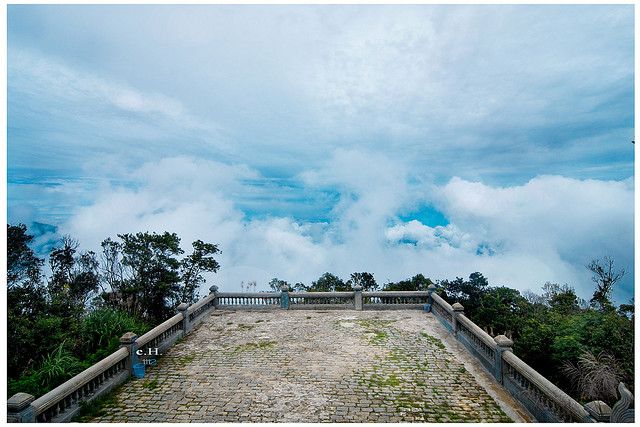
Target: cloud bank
<point x="394" y="139"/>
<point x="520" y="236"/>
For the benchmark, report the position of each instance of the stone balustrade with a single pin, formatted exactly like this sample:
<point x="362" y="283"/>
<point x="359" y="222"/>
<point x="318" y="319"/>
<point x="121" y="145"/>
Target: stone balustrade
<point x="63" y="403"/>
<point x="545" y="401"/>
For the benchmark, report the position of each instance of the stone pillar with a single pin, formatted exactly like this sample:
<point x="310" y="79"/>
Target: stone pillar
<point x="357" y="297"/>
<point x="128" y="340"/>
<point x="19" y="409"/>
<point x="186" y="326"/>
<point x="599" y="411"/>
<point x="503" y="344"/>
<point x="457" y="310"/>
<point x="214" y="290"/>
<point x="431" y="289"/>
<point x="284" y="297"/>
<point x="429" y="306"/>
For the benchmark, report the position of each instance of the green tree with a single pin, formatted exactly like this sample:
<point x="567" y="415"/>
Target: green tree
<point x="561" y="299"/>
<point x="416" y="283"/>
<point x="26" y="301"/>
<point x="74" y="278"/>
<point x="605" y="276"/>
<point x="500" y="309"/>
<point x="146" y="276"/>
<point x="22" y="264"/>
<point x="365" y="280"/>
<point x="469" y="293"/>
<point x="628" y="310"/>
<point x="327" y="283"/>
<point x="193" y="266"/>
<point x="155" y="272"/>
<point x="276" y="284"/>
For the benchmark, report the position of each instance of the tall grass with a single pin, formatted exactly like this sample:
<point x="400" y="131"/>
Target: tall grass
<point x="54" y="369"/>
<point x="594" y="376"/>
<point x="99" y="337"/>
<point x="103" y="328"/>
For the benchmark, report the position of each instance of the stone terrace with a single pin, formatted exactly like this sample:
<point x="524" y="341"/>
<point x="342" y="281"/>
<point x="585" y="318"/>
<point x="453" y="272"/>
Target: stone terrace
<point x="315" y="366"/>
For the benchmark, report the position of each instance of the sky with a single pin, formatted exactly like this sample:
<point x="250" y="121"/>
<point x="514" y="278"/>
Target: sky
<point x="305" y="139"/>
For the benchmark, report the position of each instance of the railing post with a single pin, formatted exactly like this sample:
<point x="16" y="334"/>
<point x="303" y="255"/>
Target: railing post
<point x="503" y="344"/>
<point x="457" y="310"/>
<point x="429" y="306"/>
<point x="284" y="297"/>
<point x="214" y="290"/>
<point x="128" y="340"/>
<point x="357" y="297"/>
<point x="19" y="409"/>
<point x="431" y="289"/>
<point x="599" y="411"/>
<point x="186" y="326"/>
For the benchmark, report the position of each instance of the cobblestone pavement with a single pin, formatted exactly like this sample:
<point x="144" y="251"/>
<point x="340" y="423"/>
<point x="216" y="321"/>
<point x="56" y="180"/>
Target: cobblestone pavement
<point x="313" y="366"/>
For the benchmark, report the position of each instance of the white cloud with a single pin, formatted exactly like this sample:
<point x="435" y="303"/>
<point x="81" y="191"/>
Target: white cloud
<point x="521" y="237"/>
<point x="413" y="95"/>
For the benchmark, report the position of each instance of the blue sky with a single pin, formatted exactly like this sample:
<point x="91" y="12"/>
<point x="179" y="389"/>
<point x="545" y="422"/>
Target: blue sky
<point x="302" y="139"/>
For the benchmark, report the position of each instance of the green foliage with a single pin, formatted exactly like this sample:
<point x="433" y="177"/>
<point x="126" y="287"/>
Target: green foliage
<point x="54" y="369"/>
<point x="416" y="283"/>
<point x="155" y="274"/>
<point x="327" y="283"/>
<point x="192" y="267"/>
<point x="57" y="367"/>
<point x="147" y="278"/>
<point x="22" y="264"/>
<point x="54" y="334"/>
<point x="102" y="329"/>
<point x="605" y="276"/>
<point x="276" y="284"/>
<point x="365" y="280"/>
<point x="74" y="280"/>
<point x="551" y="330"/>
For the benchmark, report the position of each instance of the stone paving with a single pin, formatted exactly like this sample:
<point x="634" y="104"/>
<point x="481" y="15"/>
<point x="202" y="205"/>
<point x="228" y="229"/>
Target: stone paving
<point x="314" y="366"/>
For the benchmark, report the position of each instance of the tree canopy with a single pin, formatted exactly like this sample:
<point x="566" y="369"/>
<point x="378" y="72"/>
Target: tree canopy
<point x="61" y="324"/>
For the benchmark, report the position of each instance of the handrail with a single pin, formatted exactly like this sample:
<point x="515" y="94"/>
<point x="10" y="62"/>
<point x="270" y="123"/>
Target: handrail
<point x="201" y="303"/>
<point x="475" y="329"/>
<point x="576" y="410"/>
<point x="321" y="295"/>
<point x="64" y="390"/>
<point x="60" y="404"/>
<point x="442" y="303"/>
<point x="163" y="327"/>
<point x="248" y="294"/>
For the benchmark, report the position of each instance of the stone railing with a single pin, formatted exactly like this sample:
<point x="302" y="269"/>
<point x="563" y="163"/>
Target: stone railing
<point x="253" y="300"/>
<point x="395" y="299"/>
<point x="356" y="299"/>
<point x="63" y="403"/>
<point x="58" y="404"/>
<point x="545" y="401"/>
<point x="322" y="300"/>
